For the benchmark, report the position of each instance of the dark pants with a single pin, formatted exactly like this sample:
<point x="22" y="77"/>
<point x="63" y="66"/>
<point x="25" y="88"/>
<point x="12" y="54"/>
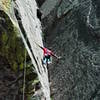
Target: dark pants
<point x="46" y="59"/>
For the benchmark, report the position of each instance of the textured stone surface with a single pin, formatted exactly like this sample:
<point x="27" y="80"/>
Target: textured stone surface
<point x="77" y="75"/>
<point x="18" y="21"/>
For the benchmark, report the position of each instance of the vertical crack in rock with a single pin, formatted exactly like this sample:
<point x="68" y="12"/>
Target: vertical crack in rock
<point x="88" y="16"/>
<point x="31" y="32"/>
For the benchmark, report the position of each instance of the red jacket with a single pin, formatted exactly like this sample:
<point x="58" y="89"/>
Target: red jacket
<point x="47" y="52"/>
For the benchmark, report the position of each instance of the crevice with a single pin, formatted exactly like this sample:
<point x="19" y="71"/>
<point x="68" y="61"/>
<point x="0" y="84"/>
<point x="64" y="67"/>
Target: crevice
<point x="24" y="34"/>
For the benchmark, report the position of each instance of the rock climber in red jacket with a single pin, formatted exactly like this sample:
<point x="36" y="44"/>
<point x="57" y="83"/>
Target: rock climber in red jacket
<point x="47" y="55"/>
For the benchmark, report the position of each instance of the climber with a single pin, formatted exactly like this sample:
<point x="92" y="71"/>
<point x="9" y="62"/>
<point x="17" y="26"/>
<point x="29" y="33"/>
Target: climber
<point x="47" y="55"/>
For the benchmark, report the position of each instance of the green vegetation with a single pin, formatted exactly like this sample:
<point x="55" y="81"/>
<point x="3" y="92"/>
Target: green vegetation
<point x="13" y="50"/>
<point x="11" y="46"/>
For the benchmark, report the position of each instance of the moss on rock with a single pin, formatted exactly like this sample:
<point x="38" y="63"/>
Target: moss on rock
<point x="12" y="50"/>
<point x="11" y="46"/>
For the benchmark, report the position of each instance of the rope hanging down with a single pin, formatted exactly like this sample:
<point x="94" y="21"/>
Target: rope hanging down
<point x="24" y="70"/>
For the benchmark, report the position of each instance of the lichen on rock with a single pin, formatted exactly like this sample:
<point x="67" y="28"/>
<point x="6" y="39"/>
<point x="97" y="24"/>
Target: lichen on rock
<point x="5" y="4"/>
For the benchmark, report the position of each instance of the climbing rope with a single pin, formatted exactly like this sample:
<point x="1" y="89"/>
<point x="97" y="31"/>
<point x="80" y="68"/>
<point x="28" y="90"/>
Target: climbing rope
<point x="24" y="70"/>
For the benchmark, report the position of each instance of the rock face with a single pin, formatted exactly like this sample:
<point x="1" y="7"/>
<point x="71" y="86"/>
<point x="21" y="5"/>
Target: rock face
<point x="72" y="29"/>
<point x="11" y="58"/>
<point x="32" y="37"/>
<point x="18" y="21"/>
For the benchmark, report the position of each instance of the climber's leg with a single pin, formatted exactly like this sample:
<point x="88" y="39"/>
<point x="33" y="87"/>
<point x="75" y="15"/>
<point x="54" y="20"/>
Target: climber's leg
<point x="44" y="60"/>
<point x="49" y="59"/>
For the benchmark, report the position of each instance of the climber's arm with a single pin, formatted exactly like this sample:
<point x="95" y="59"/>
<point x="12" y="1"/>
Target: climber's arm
<point x="41" y="47"/>
<point x="54" y="55"/>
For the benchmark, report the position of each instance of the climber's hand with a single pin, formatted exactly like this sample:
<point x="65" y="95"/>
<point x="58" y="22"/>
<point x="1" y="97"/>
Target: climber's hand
<point x="59" y="57"/>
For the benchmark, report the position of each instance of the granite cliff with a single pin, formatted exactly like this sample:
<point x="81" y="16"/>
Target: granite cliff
<point x="22" y="74"/>
<point x="72" y="29"/>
